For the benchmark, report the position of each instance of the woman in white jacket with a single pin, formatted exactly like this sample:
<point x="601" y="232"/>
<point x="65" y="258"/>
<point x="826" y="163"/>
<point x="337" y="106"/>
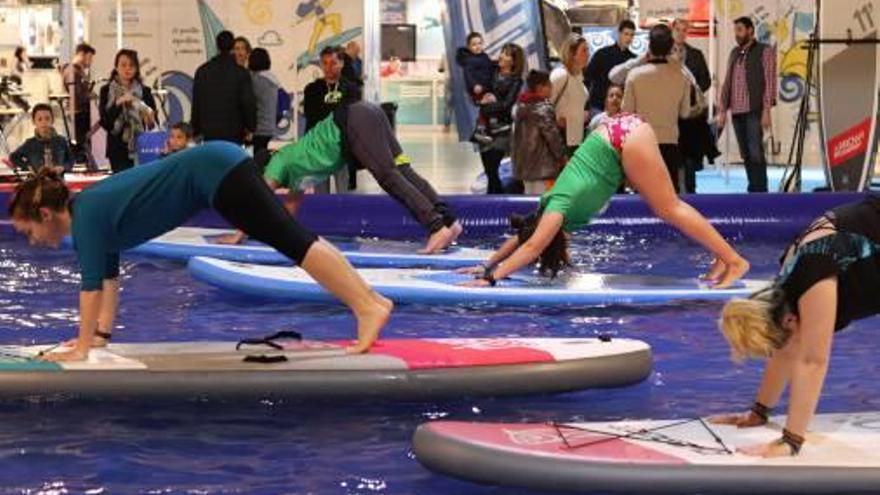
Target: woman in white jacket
<point x="569" y="95"/>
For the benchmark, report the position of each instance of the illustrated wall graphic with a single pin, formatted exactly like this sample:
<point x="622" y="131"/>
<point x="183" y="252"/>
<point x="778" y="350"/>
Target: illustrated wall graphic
<point x="270" y="38"/>
<point x="259" y="12"/>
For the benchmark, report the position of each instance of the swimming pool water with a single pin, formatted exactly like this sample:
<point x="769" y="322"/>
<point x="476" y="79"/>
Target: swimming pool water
<point x="196" y="446"/>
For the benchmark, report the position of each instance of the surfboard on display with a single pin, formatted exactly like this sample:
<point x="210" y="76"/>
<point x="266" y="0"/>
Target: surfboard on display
<point x="848" y="91"/>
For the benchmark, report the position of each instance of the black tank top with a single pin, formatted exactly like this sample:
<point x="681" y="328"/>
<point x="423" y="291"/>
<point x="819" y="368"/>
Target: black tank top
<point x="852" y="253"/>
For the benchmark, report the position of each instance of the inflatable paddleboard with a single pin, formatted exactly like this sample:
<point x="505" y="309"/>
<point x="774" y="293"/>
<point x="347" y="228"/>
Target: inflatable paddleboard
<point x="393" y="369"/>
<point x="441" y="287"/>
<point x="675" y="456"/>
<point x="185" y="242"/>
<point x="848" y="78"/>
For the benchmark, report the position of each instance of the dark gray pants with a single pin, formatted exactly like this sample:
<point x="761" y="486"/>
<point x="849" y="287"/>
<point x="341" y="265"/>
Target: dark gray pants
<point x="371" y="140"/>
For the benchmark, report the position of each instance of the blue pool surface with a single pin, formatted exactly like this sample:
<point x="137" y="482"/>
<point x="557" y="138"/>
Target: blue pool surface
<point x="217" y="447"/>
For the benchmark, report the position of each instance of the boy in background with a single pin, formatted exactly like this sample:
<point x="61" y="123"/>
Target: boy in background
<point x="180" y="137"/>
<point x="538" y="152"/>
<point x="46" y="148"/>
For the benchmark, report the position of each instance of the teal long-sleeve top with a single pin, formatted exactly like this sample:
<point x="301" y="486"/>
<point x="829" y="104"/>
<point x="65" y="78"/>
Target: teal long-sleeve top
<point x="144" y="202"/>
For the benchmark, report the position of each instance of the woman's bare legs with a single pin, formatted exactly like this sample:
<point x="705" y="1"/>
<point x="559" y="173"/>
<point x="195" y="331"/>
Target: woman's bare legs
<point x="644" y="167"/>
<point x="330" y="269"/>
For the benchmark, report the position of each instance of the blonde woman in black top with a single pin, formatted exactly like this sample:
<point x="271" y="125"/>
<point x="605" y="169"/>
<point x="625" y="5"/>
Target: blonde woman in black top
<point x="830" y="276"/>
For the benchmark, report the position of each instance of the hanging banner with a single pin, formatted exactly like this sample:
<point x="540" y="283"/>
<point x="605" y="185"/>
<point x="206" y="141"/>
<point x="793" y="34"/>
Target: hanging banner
<point x="665" y="9"/>
<point x="695" y="11"/>
<point x="500" y="22"/>
<point x="848" y="79"/>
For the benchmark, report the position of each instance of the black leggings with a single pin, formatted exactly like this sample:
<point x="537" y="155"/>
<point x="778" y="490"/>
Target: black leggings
<point x="491" y="163"/>
<point x="261" y="151"/>
<point x="246" y="202"/>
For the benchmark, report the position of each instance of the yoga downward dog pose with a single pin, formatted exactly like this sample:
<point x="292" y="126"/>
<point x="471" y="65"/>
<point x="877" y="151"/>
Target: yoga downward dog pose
<point x="830" y="276"/>
<point x="362" y="131"/>
<point x="137" y="205"/>
<point x="623" y="147"/>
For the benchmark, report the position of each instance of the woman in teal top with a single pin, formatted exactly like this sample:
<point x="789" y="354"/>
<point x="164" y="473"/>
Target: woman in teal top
<point x="137" y="205"/>
<point x="624" y="147"/>
<point x="360" y="131"/>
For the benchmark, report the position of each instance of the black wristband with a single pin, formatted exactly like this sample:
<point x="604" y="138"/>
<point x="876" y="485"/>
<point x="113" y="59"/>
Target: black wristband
<point x="103" y="335"/>
<point x="793" y="440"/>
<point x="761" y="411"/>
<point x="489" y="276"/>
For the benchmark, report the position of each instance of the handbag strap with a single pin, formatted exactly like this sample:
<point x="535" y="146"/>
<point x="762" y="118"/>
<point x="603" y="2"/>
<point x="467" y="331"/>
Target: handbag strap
<point x="564" y="87"/>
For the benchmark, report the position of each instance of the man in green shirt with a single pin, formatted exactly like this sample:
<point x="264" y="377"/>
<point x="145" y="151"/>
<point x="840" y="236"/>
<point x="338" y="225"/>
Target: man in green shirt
<point x="359" y="131"/>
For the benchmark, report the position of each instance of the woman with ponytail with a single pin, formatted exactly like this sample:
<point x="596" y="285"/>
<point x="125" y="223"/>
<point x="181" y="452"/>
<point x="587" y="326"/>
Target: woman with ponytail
<point x="622" y="148"/>
<point x="135" y="206"/>
<point x="830" y="276"/>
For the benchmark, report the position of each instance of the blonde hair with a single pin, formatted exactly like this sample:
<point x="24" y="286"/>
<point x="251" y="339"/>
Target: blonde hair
<point x="752" y="326"/>
<point x="569" y="49"/>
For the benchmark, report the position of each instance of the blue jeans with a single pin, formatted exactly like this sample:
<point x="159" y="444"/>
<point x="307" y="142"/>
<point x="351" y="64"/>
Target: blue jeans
<point x="750" y="137"/>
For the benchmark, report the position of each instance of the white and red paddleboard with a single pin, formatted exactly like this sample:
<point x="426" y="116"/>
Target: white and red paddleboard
<point x="841" y="455"/>
<point x="393" y="369"/>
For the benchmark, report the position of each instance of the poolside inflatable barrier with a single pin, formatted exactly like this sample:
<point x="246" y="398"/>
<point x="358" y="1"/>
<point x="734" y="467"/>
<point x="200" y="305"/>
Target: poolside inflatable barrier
<point x="185" y="242"/>
<point x="674" y="456"/>
<point x="441" y="287"/>
<point x="407" y="369"/>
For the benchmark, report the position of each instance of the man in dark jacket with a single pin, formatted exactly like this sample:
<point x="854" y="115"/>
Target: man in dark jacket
<point x="322" y="96"/>
<point x="749" y="93"/>
<point x="596" y="73"/>
<point x="224" y="107"/>
<point x="78" y="83"/>
<point x="695" y="139"/>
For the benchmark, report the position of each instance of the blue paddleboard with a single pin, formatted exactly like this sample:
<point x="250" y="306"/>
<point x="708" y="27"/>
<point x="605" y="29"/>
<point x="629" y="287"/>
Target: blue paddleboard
<point x="441" y="287"/>
<point x="185" y="242"/>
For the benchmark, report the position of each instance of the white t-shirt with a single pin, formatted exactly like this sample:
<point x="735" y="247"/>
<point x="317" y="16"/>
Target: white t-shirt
<point x="570" y="103"/>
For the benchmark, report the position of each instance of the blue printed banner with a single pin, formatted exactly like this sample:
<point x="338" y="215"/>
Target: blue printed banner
<point x="500" y="22"/>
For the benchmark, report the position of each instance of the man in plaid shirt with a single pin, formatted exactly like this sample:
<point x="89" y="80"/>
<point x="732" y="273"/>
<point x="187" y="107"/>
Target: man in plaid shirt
<point x="749" y="92"/>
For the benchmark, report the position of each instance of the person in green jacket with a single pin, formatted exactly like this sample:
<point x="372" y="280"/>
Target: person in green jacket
<point x="359" y="131"/>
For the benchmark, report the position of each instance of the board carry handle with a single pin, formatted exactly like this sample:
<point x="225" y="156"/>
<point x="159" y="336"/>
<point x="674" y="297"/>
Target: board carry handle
<point x="264" y="359"/>
<point x="270" y="340"/>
